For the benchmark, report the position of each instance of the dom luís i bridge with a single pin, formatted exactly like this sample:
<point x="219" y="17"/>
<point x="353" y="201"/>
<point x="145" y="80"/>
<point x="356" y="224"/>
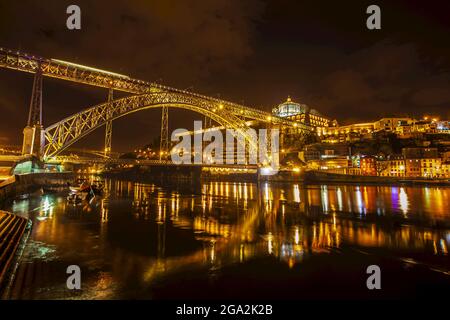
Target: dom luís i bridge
<point x="48" y="141"/>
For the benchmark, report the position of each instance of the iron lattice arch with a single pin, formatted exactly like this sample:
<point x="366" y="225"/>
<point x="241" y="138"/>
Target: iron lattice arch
<point x="24" y="62"/>
<point x="64" y="133"/>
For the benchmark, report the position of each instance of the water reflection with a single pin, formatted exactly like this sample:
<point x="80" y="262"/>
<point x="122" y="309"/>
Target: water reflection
<point x="146" y="232"/>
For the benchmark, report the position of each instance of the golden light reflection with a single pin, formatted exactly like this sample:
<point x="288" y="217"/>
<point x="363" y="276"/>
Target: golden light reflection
<point x="237" y="222"/>
<point x="296" y="193"/>
<point x="339" y="198"/>
<point x="296" y="236"/>
<point x="403" y="201"/>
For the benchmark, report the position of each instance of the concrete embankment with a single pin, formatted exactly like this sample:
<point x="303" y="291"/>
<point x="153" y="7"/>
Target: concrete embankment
<point x="315" y="177"/>
<point x="325" y="177"/>
<point x="156" y="173"/>
<point x="180" y="174"/>
<point x="14" y="230"/>
<point x="24" y="183"/>
<point x="282" y="176"/>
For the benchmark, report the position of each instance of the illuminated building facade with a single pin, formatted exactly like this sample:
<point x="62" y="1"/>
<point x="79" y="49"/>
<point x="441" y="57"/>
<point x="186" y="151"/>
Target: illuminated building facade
<point x="402" y="127"/>
<point x="404" y="130"/>
<point x="423" y="162"/>
<point x="346" y="133"/>
<point x="339" y="164"/>
<point x="445" y="169"/>
<point x="390" y="124"/>
<point x="413" y="168"/>
<point x="302" y="113"/>
<point x="443" y="126"/>
<point x="425" y="125"/>
<point x="426" y="168"/>
<point x="431" y="168"/>
<point x="368" y="166"/>
<point x="393" y="167"/>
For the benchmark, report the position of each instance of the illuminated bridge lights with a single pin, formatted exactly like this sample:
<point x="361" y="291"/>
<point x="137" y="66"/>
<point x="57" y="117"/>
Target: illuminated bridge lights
<point x="147" y="95"/>
<point x="96" y="77"/>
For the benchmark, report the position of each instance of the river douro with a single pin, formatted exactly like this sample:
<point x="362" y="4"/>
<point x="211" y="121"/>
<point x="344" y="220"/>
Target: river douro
<point x="237" y="240"/>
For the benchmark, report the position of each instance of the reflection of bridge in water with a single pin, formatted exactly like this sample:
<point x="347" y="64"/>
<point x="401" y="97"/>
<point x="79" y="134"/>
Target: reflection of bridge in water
<point x="149" y="233"/>
<point x="52" y="140"/>
<point x="289" y="222"/>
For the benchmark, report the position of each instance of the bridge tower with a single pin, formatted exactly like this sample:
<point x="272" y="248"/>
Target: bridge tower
<point x="164" y="142"/>
<point x="33" y="133"/>
<point x="108" y="127"/>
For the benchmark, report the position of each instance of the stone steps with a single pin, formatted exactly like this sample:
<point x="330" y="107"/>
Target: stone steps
<point x="12" y="229"/>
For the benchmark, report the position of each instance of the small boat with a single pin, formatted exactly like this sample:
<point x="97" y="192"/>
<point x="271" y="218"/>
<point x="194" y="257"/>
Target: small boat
<point x="86" y="186"/>
<point x="97" y="187"/>
<point x="85" y="192"/>
<point x="76" y="198"/>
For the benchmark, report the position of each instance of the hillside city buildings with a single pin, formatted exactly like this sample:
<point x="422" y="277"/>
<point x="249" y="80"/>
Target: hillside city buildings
<point x="393" y="146"/>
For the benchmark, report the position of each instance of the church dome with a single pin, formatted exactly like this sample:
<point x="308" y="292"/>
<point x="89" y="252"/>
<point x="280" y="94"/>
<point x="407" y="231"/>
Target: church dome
<point x="289" y="108"/>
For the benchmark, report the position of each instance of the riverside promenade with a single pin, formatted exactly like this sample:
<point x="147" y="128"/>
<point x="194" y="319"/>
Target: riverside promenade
<point x="14" y="230"/>
<point x="322" y="177"/>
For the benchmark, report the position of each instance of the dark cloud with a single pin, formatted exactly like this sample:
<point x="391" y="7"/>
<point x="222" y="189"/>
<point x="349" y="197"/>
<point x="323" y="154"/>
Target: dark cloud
<point x="181" y="40"/>
<point x="431" y="96"/>
<point x="180" y="43"/>
<point x="384" y="79"/>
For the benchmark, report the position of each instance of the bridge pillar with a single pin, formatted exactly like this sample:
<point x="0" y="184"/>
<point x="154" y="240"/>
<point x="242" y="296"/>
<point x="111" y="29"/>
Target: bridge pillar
<point x="33" y="140"/>
<point x="164" y="142"/>
<point x="33" y="133"/>
<point x="108" y="127"/>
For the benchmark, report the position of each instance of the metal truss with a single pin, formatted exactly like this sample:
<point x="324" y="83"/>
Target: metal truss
<point x="62" y="134"/>
<point x="85" y="160"/>
<point x="108" y="127"/>
<point x="82" y="74"/>
<point x="164" y="142"/>
<point x="35" y="112"/>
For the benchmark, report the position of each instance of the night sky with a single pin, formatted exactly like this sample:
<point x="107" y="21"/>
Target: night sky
<point x="253" y="52"/>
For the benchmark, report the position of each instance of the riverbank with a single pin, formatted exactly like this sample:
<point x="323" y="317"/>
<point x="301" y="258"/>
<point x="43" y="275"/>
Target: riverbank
<point x="311" y="177"/>
<point x="175" y="174"/>
<point x="14" y="231"/>
<point x="276" y="234"/>
<point x="24" y="183"/>
<point x="321" y="177"/>
<point x="158" y="173"/>
<point x="198" y="174"/>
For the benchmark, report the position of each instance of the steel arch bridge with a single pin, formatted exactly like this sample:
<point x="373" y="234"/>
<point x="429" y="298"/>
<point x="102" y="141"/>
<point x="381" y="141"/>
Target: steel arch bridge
<point x="145" y="95"/>
<point x="64" y="133"/>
